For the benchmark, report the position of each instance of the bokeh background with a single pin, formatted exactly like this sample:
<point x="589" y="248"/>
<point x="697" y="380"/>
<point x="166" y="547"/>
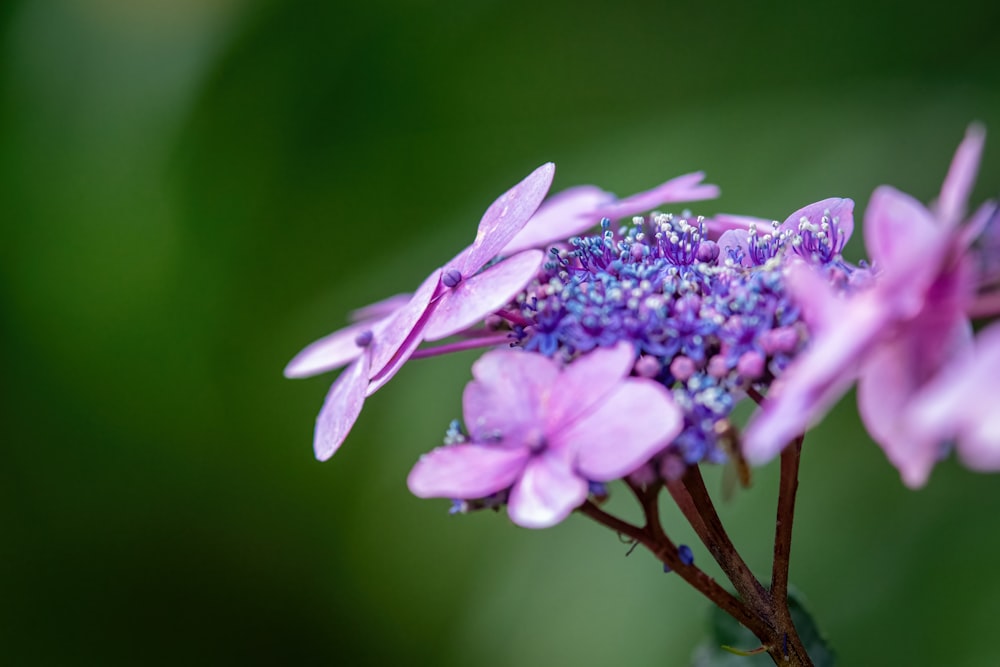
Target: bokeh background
<point x="192" y="190"/>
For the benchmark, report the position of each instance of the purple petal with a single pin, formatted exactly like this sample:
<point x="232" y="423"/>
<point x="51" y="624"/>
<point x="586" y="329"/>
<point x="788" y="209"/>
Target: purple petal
<point x="837" y="208"/>
<point x="509" y="395"/>
<point x="961" y="176"/>
<point x="505" y="217"/>
<point x="734" y="241"/>
<point x="681" y="189"/>
<point x="820" y="303"/>
<point x="341" y="409"/>
<point x="903" y="240"/>
<point x="815" y="380"/>
<point x="585" y="382"/>
<point x="480" y="295"/>
<point x="629" y="427"/>
<point x="328" y="353"/>
<point x="399" y="330"/>
<point x="562" y="216"/>
<point x="389" y="371"/>
<point x="466" y="471"/>
<point x="547" y="492"/>
<point x="960" y="404"/>
<point x="380" y="309"/>
<point x="891" y="377"/>
<point x="720" y="223"/>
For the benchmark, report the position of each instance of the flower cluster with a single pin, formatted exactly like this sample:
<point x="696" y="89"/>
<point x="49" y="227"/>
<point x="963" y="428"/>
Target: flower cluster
<point x="620" y="338"/>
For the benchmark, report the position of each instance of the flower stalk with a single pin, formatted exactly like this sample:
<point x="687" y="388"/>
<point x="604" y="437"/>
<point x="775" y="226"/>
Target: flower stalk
<point x="764" y="611"/>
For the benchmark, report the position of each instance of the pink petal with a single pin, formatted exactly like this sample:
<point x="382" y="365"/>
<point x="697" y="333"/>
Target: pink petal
<point x="961" y="176"/>
<point x="547" y="492"/>
<point x="838" y="208"/>
<point x="891" y="377"/>
<point x="328" y="353"/>
<point x="480" y="295"/>
<point x="734" y="241"/>
<point x="720" y="223"/>
<point x="466" y="471"/>
<point x="380" y="309"/>
<point x="629" y="427"/>
<point x="821" y="305"/>
<point x="681" y="189"/>
<point x="511" y="392"/>
<point x="399" y="330"/>
<point x="402" y="355"/>
<point x="341" y="409"/>
<point x="961" y="403"/>
<point x="586" y="381"/>
<point x="904" y="241"/>
<point x="815" y="380"/>
<point x="562" y="216"/>
<point x="505" y="217"/>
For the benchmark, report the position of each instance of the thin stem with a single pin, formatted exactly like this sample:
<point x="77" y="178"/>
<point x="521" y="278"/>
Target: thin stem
<point x="458" y="346"/>
<point x="513" y="317"/>
<point x="788" y="486"/>
<point x="713" y="534"/>
<point x="655" y="540"/>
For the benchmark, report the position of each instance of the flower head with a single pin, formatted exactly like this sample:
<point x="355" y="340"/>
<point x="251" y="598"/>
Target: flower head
<point x="544" y="431"/>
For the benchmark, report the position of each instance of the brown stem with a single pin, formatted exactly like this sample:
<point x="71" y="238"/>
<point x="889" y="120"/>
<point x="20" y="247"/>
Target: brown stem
<point x="713" y="534"/>
<point x="788" y="486"/>
<point x="656" y="541"/>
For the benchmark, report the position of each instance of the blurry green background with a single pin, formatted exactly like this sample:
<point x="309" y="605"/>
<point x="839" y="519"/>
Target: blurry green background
<point x="192" y="190"/>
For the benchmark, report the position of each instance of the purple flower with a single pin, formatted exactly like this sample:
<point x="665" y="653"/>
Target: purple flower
<point x="893" y="337"/>
<point x="451" y="299"/>
<point x="545" y="431"/>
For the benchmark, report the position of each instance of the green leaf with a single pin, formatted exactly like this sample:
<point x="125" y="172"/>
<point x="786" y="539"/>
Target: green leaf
<point x="731" y="645"/>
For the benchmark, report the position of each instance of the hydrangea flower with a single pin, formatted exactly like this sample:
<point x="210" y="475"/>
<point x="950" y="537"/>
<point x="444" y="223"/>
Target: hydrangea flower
<point x="545" y="431"/>
<point x="893" y="337"/>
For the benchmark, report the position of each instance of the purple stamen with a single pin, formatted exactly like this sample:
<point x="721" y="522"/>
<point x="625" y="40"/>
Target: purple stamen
<point x="451" y="278"/>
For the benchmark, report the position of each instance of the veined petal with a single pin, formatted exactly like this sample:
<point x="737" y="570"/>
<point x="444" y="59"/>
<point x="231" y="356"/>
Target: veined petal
<point x="480" y="295"/>
<point x="585" y="382"/>
<point x="547" y="492"/>
<point x="341" y="408"/>
<point x="628" y="428"/>
<point x="510" y="394"/>
<point x="400" y="329"/>
<point x="560" y="217"/>
<point x="466" y="471"/>
<point x="506" y="217"/>
<point x="328" y="353"/>
<point x="951" y="205"/>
